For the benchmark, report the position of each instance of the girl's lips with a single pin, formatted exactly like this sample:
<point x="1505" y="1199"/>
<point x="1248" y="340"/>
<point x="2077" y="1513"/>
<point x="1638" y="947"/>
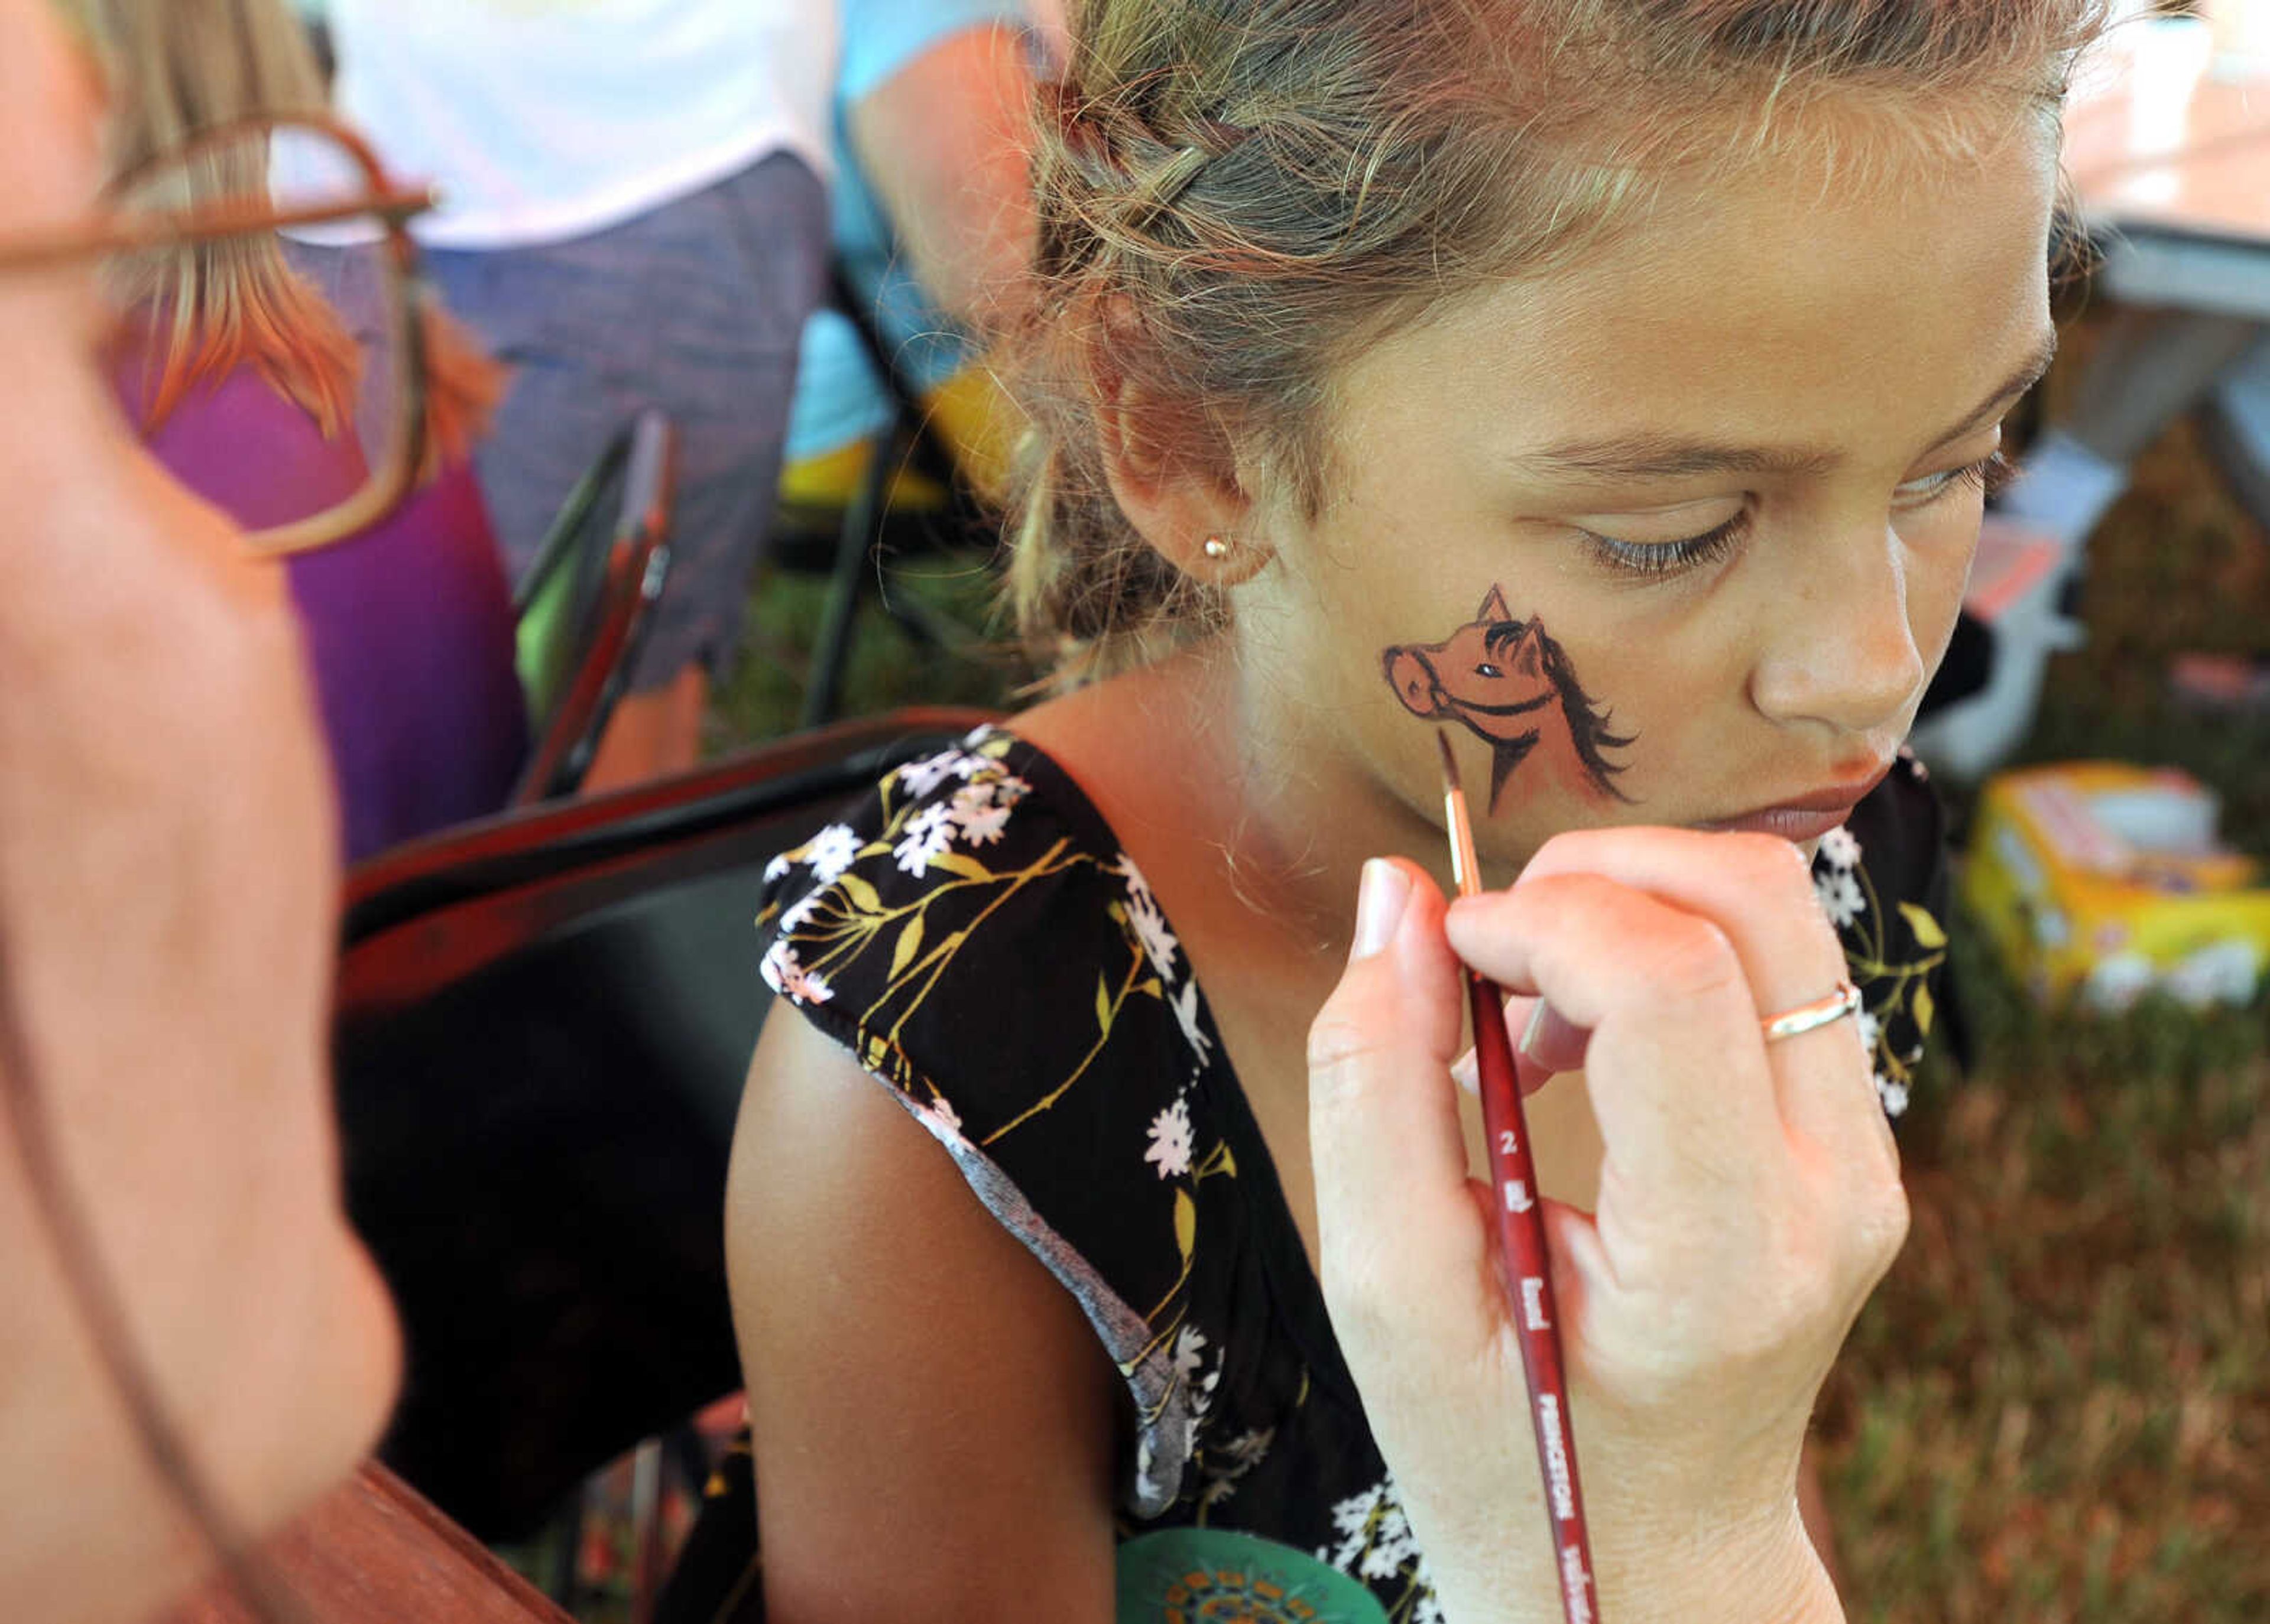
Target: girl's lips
<point x="1806" y="817"/>
<point x="1793" y="823"/>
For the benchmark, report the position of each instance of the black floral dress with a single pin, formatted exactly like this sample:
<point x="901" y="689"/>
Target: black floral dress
<point x="973" y="933"/>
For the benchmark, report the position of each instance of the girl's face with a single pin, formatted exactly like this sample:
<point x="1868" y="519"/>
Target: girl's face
<point x="1681" y="536"/>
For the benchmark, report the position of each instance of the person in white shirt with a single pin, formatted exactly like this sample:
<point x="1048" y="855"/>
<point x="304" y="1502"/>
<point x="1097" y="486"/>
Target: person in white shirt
<point x="634" y="216"/>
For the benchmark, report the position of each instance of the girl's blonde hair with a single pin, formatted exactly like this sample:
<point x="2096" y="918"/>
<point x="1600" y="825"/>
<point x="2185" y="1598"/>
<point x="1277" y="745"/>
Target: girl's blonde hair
<point x="1236" y="196"/>
<point x="175" y="67"/>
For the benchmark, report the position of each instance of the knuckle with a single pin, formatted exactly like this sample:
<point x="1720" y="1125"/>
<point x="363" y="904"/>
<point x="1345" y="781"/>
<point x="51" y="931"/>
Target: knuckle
<point x="1695" y="960"/>
<point x="1340" y="1048"/>
<point x="1818" y="1293"/>
<point x="1560" y="851"/>
<point x="1810" y="1309"/>
<point x="1882" y="1226"/>
<point x="1774" y="865"/>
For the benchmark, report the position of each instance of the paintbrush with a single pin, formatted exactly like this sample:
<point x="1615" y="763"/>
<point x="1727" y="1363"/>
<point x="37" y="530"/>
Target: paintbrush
<point x="1521" y="1239"/>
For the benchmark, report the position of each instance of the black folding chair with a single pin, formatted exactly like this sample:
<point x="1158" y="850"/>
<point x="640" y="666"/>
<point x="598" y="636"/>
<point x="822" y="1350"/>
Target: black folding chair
<point x="543" y="1023"/>
<point x="586" y="604"/>
<point x="868" y="530"/>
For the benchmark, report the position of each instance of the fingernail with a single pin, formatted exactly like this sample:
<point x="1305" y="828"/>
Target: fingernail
<point x="1466" y="1071"/>
<point x="1379" y="904"/>
<point x="1534" y="1030"/>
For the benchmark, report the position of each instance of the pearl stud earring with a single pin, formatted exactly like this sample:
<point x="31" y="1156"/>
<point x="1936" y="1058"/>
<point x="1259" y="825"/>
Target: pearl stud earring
<point x="1216" y="548"/>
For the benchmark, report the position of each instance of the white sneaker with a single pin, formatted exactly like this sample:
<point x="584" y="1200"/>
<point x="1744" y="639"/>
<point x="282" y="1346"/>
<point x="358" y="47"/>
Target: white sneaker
<point x="2015" y="586"/>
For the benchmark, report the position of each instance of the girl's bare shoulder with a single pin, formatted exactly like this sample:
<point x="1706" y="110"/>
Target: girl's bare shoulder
<point x="1143" y="745"/>
<point x="916" y="1382"/>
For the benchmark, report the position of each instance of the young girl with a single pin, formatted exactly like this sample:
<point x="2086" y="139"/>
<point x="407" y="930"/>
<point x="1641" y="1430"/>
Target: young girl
<point x="1609" y="385"/>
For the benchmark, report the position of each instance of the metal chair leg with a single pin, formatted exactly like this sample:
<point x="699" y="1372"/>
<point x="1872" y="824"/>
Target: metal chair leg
<point x="855" y="555"/>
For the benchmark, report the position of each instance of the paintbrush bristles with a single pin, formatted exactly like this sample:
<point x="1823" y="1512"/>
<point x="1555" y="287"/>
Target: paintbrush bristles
<point x="1466" y="868"/>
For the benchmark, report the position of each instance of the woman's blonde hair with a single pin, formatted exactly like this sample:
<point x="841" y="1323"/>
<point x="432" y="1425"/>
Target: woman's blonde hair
<point x="1236" y="196"/>
<point x="175" y="67"/>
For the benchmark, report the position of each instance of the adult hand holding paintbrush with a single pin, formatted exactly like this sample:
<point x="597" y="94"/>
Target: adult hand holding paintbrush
<point x="1749" y="1201"/>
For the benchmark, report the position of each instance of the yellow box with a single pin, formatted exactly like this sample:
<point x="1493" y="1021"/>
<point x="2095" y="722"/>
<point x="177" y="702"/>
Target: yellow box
<point x="2109" y="877"/>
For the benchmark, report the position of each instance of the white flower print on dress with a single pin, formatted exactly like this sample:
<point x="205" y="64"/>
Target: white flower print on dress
<point x="1189" y="1352"/>
<point x="1170" y="1144"/>
<point x="784" y="975"/>
<point x="1377" y="1544"/>
<point x="798" y="913"/>
<point x="1225" y="1463"/>
<point x="831" y="852"/>
<point x="1840" y="848"/>
<point x="1008" y="790"/>
<point x="977" y="817"/>
<point x="1392" y="1546"/>
<point x="778" y="867"/>
<point x="1185" y="1005"/>
<point x="1189" y="1359"/>
<point x="1158" y="942"/>
<point x="921" y="778"/>
<point x="779" y="958"/>
<point x="1841" y="896"/>
<point x="1216" y="1491"/>
<point x="1146" y="1454"/>
<point x="1352" y="1515"/>
<point x="1872" y="1031"/>
<point x="1245" y="1452"/>
<point x="943" y="1121"/>
<point x="1894" y="1094"/>
<point x="929" y="834"/>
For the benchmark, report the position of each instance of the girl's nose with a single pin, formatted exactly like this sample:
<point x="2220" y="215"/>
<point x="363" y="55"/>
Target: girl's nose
<point x="1841" y="649"/>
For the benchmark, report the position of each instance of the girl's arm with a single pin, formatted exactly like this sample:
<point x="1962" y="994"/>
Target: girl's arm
<point x="947" y="142"/>
<point x="933" y="1417"/>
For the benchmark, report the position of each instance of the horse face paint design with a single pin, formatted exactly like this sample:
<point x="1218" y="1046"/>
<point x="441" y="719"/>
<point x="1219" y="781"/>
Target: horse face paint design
<point x="1508" y="682"/>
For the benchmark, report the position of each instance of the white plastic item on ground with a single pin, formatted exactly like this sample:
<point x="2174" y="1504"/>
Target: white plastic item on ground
<point x="2015" y="589"/>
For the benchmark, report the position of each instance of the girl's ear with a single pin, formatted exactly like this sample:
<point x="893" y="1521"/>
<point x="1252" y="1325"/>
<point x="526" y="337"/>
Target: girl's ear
<point x="1170" y="466"/>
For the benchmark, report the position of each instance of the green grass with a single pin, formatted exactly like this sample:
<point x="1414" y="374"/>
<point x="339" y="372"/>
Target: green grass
<point x="889" y="667"/>
<point x="2058" y="1407"/>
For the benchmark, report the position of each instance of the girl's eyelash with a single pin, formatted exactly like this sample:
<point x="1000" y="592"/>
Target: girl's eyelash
<point x="1991" y="475"/>
<point x="1669" y="557"/>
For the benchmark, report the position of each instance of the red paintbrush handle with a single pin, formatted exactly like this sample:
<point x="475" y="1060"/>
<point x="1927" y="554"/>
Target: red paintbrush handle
<point x="1529" y="1281"/>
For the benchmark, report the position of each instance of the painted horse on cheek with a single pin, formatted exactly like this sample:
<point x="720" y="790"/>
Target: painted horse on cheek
<point x="1508" y="682"/>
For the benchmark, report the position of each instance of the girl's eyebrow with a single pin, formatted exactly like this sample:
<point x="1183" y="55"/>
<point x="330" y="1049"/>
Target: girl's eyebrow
<point x="1667" y="456"/>
<point x="2036" y="368"/>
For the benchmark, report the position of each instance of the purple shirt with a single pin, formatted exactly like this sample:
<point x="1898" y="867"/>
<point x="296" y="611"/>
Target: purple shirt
<point x="408" y="625"/>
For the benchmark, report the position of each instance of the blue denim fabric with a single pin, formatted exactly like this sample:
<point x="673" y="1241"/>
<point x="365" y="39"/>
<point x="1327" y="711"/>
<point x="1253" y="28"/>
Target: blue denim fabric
<point x="694" y="307"/>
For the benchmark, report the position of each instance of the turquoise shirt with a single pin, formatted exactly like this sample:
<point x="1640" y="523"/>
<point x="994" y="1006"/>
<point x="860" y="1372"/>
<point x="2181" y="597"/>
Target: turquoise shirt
<point x="840" y="397"/>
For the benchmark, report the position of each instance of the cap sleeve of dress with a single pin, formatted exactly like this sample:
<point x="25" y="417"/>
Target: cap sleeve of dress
<point x="971" y="934"/>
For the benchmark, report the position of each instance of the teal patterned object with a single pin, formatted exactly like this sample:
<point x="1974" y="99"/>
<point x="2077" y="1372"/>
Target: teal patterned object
<point x="1204" y="1576"/>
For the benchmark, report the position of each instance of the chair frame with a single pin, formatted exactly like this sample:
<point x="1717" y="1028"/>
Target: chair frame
<point x="638" y="561"/>
<point x="528" y="846"/>
<point x="457" y="934"/>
